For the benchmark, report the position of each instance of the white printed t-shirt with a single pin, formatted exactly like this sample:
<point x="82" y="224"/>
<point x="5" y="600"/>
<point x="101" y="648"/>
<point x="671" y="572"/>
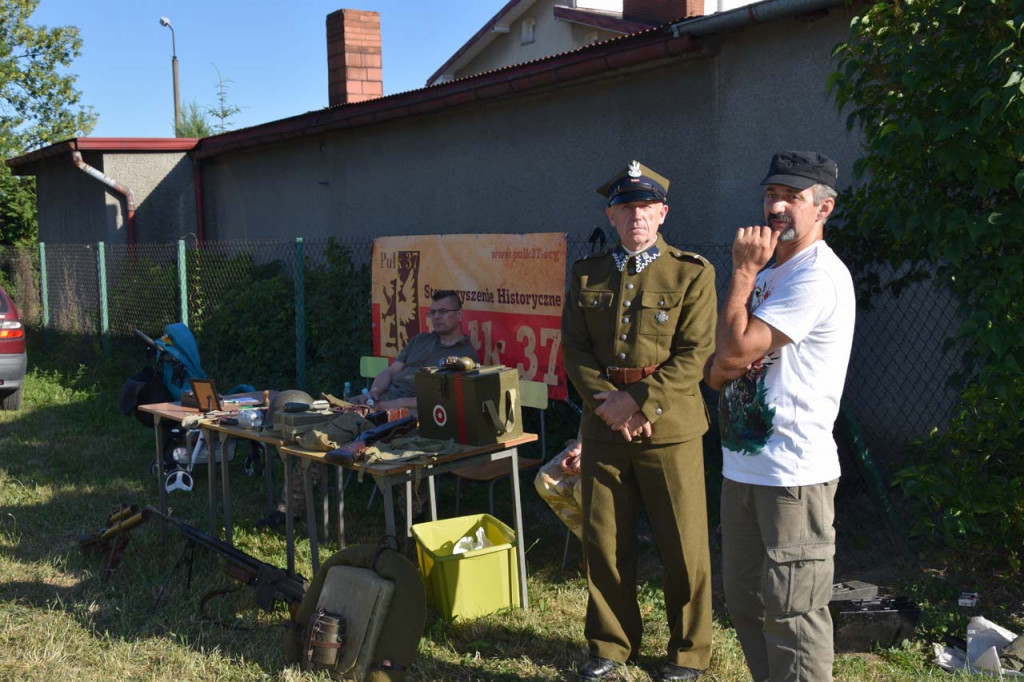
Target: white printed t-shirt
<point x="776" y="420"/>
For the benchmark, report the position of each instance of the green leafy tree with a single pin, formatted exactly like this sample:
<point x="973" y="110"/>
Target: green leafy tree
<point x="937" y="89"/>
<point x="39" y="105"/>
<point x="194" y="122"/>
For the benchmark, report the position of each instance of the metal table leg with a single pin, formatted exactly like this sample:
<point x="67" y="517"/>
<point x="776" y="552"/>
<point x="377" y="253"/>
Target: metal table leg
<point x="307" y="484"/>
<point x="289" y="522"/>
<point x="225" y="481"/>
<point x="524" y="602"/>
<point x="268" y="474"/>
<point x="211" y="483"/>
<point x="160" y="476"/>
<point x="433" y="495"/>
<point x="339" y="482"/>
<point x="389" y="511"/>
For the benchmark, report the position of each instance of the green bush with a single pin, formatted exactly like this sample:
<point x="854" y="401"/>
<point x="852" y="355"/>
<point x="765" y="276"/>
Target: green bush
<point x="968" y="482"/>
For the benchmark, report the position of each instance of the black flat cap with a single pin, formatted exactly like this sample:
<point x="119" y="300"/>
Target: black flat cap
<point x="801" y="170"/>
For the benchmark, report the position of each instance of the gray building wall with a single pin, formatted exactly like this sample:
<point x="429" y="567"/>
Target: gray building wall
<point x="531" y="163"/>
<point x="69" y="205"/>
<point x="75" y="208"/>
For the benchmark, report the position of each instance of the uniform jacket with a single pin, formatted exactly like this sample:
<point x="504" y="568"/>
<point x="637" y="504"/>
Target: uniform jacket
<point x="664" y="315"/>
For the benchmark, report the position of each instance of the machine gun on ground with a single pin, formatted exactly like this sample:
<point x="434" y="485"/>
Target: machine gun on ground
<point x="269" y="581"/>
<point x="113" y="539"/>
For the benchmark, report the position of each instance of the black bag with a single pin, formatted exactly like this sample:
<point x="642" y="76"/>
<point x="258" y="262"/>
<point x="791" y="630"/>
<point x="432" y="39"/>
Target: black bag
<point x="145" y="387"/>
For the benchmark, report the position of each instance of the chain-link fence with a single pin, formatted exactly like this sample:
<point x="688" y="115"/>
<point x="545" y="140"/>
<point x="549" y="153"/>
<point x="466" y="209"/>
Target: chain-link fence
<point x="897" y="383"/>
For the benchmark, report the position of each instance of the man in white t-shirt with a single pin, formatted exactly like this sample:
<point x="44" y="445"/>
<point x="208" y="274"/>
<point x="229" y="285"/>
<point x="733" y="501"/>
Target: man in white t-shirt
<point x="783" y="344"/>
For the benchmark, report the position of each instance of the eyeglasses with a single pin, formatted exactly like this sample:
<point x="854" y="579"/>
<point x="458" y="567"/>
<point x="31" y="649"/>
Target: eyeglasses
<point x="443" y="311"/>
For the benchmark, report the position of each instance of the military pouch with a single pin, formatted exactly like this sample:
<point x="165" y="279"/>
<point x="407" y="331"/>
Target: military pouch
<point x="324" y="639"/>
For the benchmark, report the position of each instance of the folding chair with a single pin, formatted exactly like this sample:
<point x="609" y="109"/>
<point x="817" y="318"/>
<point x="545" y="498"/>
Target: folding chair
<point x="532" y="394"/>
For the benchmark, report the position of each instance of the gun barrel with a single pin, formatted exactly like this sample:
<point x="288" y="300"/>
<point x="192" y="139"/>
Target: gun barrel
<point x="241" y="566"/>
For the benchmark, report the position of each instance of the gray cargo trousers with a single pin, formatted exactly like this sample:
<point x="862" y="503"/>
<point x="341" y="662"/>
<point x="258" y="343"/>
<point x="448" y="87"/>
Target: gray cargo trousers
<point x="778" y="545"/>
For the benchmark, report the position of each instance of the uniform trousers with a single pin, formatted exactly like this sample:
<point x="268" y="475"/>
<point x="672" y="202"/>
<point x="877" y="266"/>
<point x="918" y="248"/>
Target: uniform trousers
<point x="778" y="545"/>
<point x="668" y="482"/>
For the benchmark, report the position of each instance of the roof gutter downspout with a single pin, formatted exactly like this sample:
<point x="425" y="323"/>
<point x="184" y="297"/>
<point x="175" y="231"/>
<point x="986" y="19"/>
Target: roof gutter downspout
<point x="748" y="16"/>
<point x="110" y="182"/>
<point x="197" y="182"/>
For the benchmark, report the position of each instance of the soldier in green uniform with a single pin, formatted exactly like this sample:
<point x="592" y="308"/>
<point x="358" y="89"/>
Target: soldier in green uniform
<point x="637" y="327"/>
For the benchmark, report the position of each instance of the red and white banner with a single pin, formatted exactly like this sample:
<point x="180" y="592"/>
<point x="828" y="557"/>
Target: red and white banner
<point x="512" y="288"/>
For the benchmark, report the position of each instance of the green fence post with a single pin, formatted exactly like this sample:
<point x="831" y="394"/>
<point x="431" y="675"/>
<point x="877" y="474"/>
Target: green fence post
<point x="300" y="315"/>
<point x="42" y="295"/>
<point x="183" y="282"/>
<point x="101" y="267"/>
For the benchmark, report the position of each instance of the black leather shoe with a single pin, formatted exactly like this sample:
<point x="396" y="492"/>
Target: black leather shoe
<point x="597" y="668"/>
<point x="671" y="672"/>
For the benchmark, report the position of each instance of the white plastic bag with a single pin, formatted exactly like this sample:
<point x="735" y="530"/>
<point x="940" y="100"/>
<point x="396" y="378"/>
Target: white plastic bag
<point x="471" y="542"/>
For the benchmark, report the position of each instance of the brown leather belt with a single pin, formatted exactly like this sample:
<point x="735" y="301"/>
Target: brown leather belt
<point x="629" y="375"/>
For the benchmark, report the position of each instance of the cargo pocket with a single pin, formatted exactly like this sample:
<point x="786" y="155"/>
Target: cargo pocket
<point x="799" y="578"/>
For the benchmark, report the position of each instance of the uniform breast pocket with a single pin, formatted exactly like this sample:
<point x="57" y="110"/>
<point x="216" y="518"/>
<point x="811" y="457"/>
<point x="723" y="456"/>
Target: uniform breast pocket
<point x="659" y="312"/>
<point x="591" y="299"/>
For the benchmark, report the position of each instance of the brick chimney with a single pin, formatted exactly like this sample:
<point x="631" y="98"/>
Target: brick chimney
<point x="353" y="56"/>
<point x="661" y="11"/>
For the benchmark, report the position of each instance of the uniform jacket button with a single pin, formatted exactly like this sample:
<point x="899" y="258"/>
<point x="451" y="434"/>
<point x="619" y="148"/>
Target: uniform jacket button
<point x="622" y="337"/>
<point x="658" y="411"/>
<point x="625" y="320"/>
<point x="626" y="303"/>
<point x="629" y="286"/>
<point x="621" y="356"/>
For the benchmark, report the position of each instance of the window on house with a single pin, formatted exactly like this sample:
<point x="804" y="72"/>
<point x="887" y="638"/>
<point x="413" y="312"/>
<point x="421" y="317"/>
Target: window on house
<point x="529" y="31"/>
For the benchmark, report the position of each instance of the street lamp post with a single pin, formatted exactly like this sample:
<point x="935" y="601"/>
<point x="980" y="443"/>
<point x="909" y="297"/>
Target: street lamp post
<point x="164" y="21"/>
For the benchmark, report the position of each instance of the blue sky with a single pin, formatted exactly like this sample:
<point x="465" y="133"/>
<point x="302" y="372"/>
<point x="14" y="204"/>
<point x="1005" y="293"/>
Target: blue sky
<point x="274" y="53"/>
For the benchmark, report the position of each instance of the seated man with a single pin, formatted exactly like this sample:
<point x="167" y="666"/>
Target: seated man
<point x="396" y="386"/>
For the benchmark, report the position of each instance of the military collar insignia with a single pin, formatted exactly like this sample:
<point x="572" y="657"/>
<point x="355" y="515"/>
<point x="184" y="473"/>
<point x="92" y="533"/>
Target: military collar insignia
<point x="640" y="261"/>
<point x="634" y="169"/>
<point x="620" y="257"/>
<point x="646" y="258"/>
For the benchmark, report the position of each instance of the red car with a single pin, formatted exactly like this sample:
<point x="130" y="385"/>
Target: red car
<point x="12" y="354"/>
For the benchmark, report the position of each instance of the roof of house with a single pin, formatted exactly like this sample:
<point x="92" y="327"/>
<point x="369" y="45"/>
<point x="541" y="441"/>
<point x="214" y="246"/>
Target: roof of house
<point x="592" y="60"/>
<point x="669" y="41"/>
<point x="608" y="21"/>
<point x="105" y="144"/>
<point x="513" y="10"/>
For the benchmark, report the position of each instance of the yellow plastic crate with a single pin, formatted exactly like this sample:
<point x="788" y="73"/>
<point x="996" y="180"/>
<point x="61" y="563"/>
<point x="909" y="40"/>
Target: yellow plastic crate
<point x="473" y="583"/>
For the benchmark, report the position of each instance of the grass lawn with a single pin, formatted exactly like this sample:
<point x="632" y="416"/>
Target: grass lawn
<point x="68" y="457"/>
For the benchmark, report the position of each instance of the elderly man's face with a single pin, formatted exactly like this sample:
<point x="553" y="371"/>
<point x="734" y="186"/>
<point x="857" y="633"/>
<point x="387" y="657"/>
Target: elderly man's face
<point x="637" y="222"/>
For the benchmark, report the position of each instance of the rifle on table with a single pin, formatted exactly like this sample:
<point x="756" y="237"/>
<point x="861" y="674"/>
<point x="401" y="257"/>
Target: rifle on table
<point x="354" y="450"/>
<point x="114" y="538"/>
<point x="270" y="581"/>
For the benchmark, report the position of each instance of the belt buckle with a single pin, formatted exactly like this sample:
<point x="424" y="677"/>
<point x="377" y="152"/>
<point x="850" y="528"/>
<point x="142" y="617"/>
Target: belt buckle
<point x="608" y="370"/>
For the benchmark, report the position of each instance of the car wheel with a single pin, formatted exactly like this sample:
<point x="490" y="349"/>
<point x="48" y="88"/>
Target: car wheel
<point x="11" y="401"/>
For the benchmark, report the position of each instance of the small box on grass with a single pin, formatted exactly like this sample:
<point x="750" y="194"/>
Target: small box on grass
<point x="860" y="624"/>
<point x="473" y="583"/>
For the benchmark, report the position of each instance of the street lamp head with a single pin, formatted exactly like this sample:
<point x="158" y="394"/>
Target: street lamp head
<point x="166" y="21"/>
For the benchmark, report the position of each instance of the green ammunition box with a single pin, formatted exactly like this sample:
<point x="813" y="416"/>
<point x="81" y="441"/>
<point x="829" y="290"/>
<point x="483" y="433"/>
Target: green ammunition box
<point x="291" y="425"/>
<point x="477" y="407"/>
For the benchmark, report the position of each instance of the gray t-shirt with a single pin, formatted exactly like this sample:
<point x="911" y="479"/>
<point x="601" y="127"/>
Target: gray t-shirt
<point x="424" y="350"/>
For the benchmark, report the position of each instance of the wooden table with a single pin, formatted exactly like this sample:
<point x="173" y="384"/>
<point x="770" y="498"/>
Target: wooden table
<point x="175" y="412"/>
<point x="391" y="475"/>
